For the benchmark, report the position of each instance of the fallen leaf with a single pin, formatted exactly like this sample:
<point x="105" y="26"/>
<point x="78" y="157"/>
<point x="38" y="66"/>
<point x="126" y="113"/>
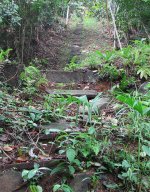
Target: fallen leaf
<point x="22" y="159"/>
<point x="8" y="148"/>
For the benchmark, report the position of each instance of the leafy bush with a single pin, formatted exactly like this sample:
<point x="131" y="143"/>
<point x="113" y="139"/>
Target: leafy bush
<point x="126" y="64"/>
<point x="132" y="14"/>
<point x="9" y="13"/>
<point x="32" y="78"/>
<point x="19" y="22"/>
<point x="72" y="65"/>
<point x="109" y="71"/>
<point x="92" y="60"/>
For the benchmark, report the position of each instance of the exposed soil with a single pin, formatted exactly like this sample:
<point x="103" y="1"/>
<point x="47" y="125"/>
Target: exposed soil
<point x="99" y="87"/>
<point x="57" y="46"/>
<point x="53" y="47"/>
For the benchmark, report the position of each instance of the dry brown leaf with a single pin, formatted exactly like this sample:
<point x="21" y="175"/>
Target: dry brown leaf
<point x="8" y="148"/>
<point x="22" y="159"/>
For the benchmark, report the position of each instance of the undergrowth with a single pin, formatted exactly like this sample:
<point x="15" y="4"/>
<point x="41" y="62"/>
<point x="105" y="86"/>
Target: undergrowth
<point x="128" y="65"/>
<point x="117" y="144"/>
<point x="111" y="143"/>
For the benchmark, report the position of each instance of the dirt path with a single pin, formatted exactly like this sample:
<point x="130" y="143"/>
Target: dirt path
<point x="76" y="41"/>
<point x="57" y="46"/>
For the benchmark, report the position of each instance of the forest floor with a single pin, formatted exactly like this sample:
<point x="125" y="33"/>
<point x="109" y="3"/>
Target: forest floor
<point x="79" y="138"/>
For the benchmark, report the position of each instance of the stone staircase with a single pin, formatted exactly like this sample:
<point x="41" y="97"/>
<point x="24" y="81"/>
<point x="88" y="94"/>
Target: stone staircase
<point x="71" y="77"/>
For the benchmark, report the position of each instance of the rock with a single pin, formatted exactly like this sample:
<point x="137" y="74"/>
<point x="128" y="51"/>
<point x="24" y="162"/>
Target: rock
<point x="97" y="106"/>
<point x="61" y="125"/>
<point x="81" y="182"/>
<point x="89" y="93"/>
<point x="68" y="77"/>
<point x="10" y="181"/>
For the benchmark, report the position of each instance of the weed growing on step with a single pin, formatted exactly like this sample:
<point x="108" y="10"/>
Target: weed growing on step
<point x="32" y="78"/>
<point x="73" y="65"/>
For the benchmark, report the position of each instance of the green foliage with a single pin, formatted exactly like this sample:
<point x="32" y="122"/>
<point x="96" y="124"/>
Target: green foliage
<point x="39" y="63"/>
<point x="33" y="175"/>
<point x="92" y="60"/>
<point x="19" y="22"/>
<point x="125" y="65"/>
<point x="90" y="23"/>
<point x="144" y="72"/>
<point x="63" y="187"/>
<point x="30" y="174"/>
<point x="80" y="145"/>
<point x="135" y="104"/>
<point x="132" y="14"/>
<point x="4" y="55"/>
<point x="71" y="154"/>
<point x="32" y="79"/>
<point x="74" y="20"/>
<point x="109" y="71"/>
<point x="35" y="188"/>
<point x="73" y="65"/>
<point x="9" y="13"/>
<point x="121" y="150"/>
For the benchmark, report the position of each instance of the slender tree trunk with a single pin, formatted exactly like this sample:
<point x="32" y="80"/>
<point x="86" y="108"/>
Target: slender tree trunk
<point x="115" y="27"/>
<point x="67" y="17"/>
<point x="107" y="14"/>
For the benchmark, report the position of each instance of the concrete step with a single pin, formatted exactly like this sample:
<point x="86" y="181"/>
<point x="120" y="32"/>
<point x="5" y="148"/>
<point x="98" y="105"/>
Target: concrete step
<point x="71" y="77"/>
<point x="89" y="93"/>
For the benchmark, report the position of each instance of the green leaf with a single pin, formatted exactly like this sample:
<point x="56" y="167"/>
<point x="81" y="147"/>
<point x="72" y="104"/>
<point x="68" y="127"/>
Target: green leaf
<point x="36" y="188"/>
<point x="91" y="130"/>
<point x="111" y="185"/>
<point x="59" y="168"/>
<point x="96" y="148"/>
<point x="71" y="169"/>
<point x="83" y="100"/>
<point x="146" y="149"/>
<point x="85" y="152"/>
<point x="134" y="104"/>
<point x="56" y="187"/>
<point x="32" y="173"/>
<point x="25" y="174"/>
<point x="39" y="188"/>
<point x="66" y="188"/>
<point x="71" y="154"/>
<point x="125" y="164"/>
<point x="32" y="115"/>
<point x="77" y="162"/>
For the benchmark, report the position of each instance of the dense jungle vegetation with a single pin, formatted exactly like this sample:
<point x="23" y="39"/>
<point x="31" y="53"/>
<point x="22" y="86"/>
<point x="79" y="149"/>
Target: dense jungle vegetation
<point x="98" y="141"/>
